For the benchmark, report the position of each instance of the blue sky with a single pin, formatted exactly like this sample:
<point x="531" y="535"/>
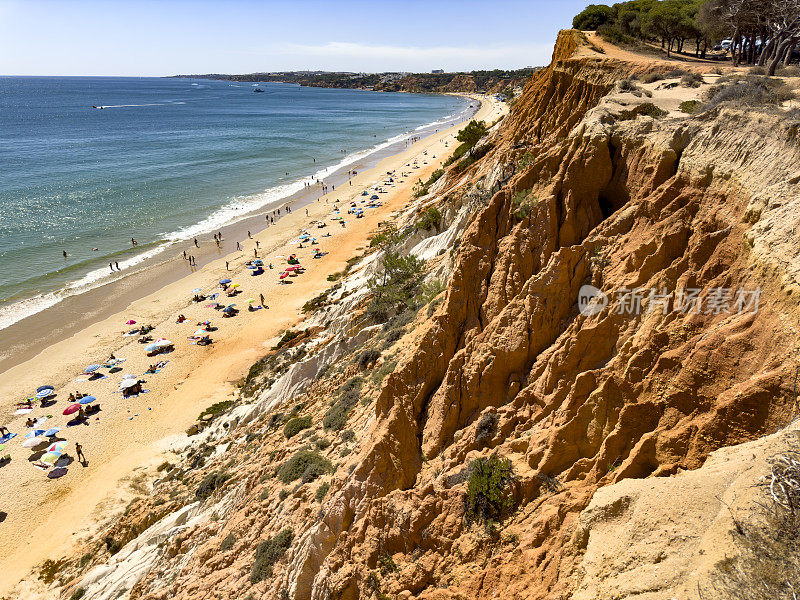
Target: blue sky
<point x="89" y="37"/>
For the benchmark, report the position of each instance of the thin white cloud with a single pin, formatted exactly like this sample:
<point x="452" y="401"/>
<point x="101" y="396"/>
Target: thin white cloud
<point x="416" y="56"/>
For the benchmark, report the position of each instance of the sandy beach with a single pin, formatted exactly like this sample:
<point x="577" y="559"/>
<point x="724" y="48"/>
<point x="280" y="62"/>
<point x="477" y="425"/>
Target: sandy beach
<point x="43" y="517"/>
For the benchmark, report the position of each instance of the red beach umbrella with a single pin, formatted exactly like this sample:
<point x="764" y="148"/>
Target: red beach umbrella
<point x="72" y="408"/>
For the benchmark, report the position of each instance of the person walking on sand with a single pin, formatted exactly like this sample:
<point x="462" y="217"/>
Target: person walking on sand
<point x="227" y="268"/>
<point x="238" y="246"/>
<point x="249" y="236"/>
<point x="184" y="255"/>
<point x="117" y="264"/>
<point x="195" y="243"/>
<point x="79" y="454"/>
<point x="261" y="296"/>
<point x="258" y="244"/>
<point x="110" y="266"/>
<point x="255" y="252"/>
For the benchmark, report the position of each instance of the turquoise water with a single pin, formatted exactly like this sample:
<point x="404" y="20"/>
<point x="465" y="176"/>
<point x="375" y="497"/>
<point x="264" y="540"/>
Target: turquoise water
<point x="164" y="160"/>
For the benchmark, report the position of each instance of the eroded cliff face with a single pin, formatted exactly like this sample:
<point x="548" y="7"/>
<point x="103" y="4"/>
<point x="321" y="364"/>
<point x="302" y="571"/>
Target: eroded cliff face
<point x="639" y="390"/>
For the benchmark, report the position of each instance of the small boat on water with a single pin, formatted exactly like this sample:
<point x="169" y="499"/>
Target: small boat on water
<point x="258" y="90"/>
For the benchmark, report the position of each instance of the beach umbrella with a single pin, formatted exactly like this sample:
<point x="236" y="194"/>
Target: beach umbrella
<point x="162" y="343"/>
<point x="50" y="458"/>
<point x="42" y="388"/>
<point x="283" y="276"/>
<point x="199" y="332"/>
<point x="258" y="262"/>
<point x="224" y="281"/>
<point x="34" y="433"/>
<point x="228" y="309"/>
<point x="91" y="368"/>
<point x="52" y="432"/>
<point x="127" y="383"/>
<point x="72" y="408"/>
<point x="34" y="441"/>
<point x="130" y="322"/>
<point x="57" y="447"/>
<point x="87" y="400"/>
<point x="130" y="376"/>
<point x="44" y="393"/>
<point x="196" y="291"/>
<point x="250" y="300"/>
<point x="151" y="348"/>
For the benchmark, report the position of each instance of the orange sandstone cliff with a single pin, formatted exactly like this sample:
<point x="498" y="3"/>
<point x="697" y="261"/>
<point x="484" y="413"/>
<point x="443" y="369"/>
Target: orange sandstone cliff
<point x="635" y="434"/>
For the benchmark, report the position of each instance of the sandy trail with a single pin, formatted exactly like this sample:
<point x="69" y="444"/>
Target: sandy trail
<point x="46" y="517"/>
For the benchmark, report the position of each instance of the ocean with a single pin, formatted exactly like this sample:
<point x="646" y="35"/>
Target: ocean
<point x="163" y="161"/>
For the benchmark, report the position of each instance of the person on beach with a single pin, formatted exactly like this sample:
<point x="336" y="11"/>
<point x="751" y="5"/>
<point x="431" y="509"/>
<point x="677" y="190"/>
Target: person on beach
<point x="227" y="268"/>
<point x="249" y="236"/>
<point x="258" y="244"/>
<point x="184" y="255"/>
<point x="110" y="266"/>
<point x="195" y="243"/>
<point x="117" y="265"/>
<point x="255" y="253"/>
<point x="238" y="246"/>
<point x="261" y="296"/>
<point x="79" y="454"/>
<point x="134" y="242"/>
<point x="64" y="252"/>
<point x="216" y="241"/>
<point x="4" y="431"/>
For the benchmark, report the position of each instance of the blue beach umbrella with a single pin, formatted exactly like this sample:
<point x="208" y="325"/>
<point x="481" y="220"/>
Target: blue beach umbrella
<point x="52" y="432"/>
<point x="91" y="368"/>
<point x="196" y="291"/>
<point x="151" y="348"/>
<point x="34" y="433"/>
<point x="42" y="388"/>
<point x="87" y="400"/>
<point x="224" y="281"/>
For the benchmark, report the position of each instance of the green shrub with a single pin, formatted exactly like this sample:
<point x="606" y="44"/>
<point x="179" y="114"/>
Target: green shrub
<point x="349" y="394"/>
<point x="322" y="491"/>
<point x="228" y="542"/>
<point x="348" y="435"/>
<point x="77" y="594"/>
<point x="648" y="108"/>
<point x="367" y="358"/>
<point x="286" y="338"/>
<point x="748" y="91"/>
<point x="296" y="425"/>
<point x="488" y="495"/>
<point x="283" y="494"/>
<point x="387" y="563"/>
<point x="216" y="409"/>
<point x="304" y="465"/>
<point x="690" y="106"/>
<point x="322" y="443"/>
<point x="692" y="80"/>
<point x="396" y="285"/>
<point x="210" y="482"/>
<point x="522" y="204"/>
<point x="387" y="368"/>
<point x="431" y="218"/>
<point x="268" y="553"/>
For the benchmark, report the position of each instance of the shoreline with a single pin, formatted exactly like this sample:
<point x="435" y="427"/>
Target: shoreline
<point x="25" y="338"/>
<point x="131" y="434"/>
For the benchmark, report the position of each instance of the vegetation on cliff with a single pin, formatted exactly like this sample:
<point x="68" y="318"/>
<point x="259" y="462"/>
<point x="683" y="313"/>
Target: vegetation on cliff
<point x="762" y="33"/>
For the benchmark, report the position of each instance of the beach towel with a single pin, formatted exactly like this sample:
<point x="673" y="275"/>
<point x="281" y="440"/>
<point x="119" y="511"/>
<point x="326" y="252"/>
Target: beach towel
<point x="57" y="472"/>
<point x="7" y="437"/>
<point x="23" y="411"/>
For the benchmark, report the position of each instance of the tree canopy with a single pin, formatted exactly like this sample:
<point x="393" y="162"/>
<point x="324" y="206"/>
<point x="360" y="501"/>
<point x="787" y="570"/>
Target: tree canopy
<point x="763" y="32"/>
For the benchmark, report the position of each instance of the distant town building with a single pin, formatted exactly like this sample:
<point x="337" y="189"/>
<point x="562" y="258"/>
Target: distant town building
<point x="437" y="71"/>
